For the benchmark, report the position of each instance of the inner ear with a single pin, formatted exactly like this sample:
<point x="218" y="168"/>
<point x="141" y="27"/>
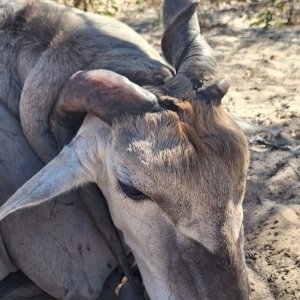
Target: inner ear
<point x="65" y="129"/>
<point x="215" y="92"/>
<point x="100" y="92"/>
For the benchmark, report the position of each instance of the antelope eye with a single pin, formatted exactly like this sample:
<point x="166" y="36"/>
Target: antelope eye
<point x="132" y="192"/>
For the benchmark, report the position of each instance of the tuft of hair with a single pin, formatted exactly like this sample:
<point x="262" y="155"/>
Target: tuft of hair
<point x="195" y="131"/>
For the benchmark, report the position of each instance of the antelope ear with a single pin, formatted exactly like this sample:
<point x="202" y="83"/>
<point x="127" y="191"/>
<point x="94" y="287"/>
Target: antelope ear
<point x="100" y="92"/>
<point x="215" y="92"/>
<point x="60" y="175"/>
<point x="103" y="93"/>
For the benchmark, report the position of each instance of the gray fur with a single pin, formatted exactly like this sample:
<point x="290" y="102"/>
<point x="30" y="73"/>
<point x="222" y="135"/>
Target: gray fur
<point x="40" y="51"/>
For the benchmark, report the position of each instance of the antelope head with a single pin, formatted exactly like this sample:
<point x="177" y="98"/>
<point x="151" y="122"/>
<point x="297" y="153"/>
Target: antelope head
<point x="170" y="162"/>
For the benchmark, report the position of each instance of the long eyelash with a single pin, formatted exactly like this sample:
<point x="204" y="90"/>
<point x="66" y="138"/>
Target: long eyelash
<point x="117" y="186"/>
<point x="131" y="192"/>
<point x="123" y="175"/>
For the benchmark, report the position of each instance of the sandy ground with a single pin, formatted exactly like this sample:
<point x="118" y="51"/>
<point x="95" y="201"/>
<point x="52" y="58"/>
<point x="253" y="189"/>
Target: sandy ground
<point x="264" y="68"/>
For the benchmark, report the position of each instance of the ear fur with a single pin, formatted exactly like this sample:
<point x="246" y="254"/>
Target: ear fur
<point x="215" y="92"/>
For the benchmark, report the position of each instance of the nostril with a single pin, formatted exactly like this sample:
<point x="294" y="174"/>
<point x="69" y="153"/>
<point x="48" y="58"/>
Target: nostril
<point x="208" y="269"/>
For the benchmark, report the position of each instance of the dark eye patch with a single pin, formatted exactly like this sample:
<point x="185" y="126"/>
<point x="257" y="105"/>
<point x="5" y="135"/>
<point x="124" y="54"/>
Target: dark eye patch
<point x="132" y="192"/>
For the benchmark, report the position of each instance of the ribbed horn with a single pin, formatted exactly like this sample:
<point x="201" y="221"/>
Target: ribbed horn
<point x="186" y="50"/>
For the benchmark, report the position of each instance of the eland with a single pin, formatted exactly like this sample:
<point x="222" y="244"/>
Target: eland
<point x="102" y="141"/>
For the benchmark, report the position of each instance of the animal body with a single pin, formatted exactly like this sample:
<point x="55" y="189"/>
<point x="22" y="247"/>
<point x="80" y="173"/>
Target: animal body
<point x="152" y="143"/>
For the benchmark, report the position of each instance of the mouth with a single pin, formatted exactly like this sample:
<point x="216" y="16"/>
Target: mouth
<point x="117" y="285"/>
<point x="125" y="291"/>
